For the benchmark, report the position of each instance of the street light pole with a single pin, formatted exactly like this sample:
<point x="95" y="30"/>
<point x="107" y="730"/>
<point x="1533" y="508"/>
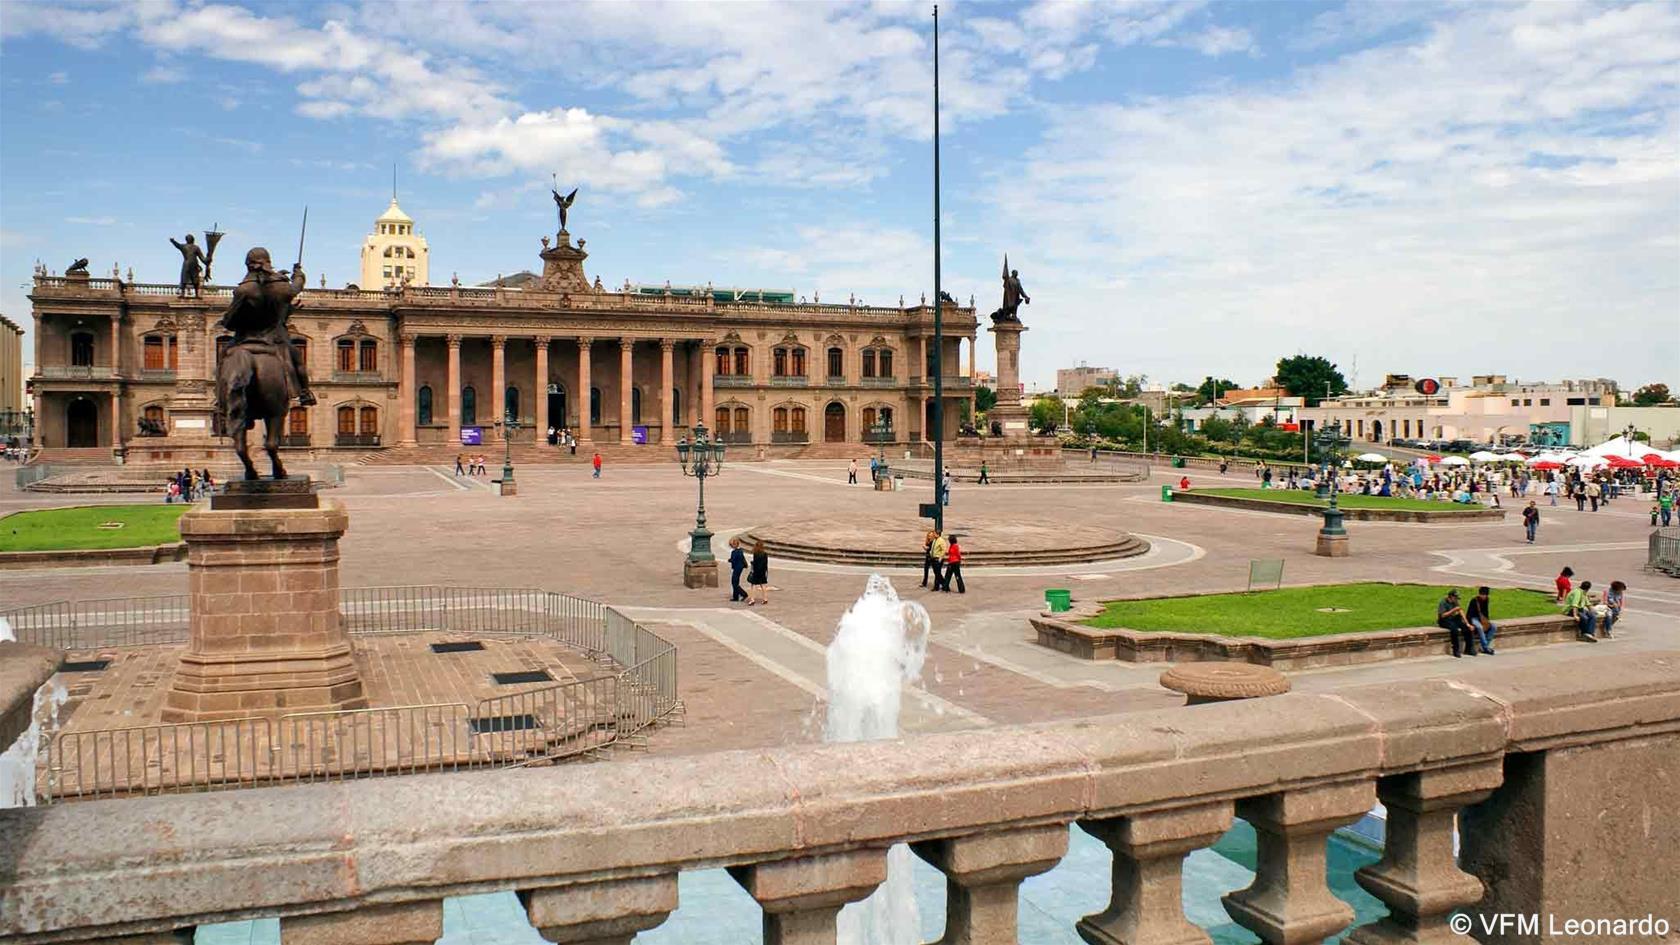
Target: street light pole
<point x="700" y="458"/>
<point x="938" y="312"/>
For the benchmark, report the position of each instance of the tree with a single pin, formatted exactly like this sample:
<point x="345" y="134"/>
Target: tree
<point x="1652" y="395"/>
<point x="1218" y="428"/>
<point x="1211" y="388"/>
<point x="1132" y="385"/>
<point x="1046" y="413"/>
<point x="1310" y="377"/>
<point x="984" y="398"/>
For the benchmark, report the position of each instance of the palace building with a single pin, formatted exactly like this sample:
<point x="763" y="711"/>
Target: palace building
<point x="126" y="369"/>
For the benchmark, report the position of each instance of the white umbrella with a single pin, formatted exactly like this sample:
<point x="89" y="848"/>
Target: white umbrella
<point x="1371" y="458"/>
<point x="1621" y="446"/>
<point x="1546" y="458"/>
<point x="1588" y="462"/>
<point x="1485" y="456"/>
<point x="1454" y="461"/>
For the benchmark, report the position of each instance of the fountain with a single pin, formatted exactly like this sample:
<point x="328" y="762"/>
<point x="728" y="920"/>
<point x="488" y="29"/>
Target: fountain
<point x="878" y="648"/>
<point x="18" y="762"/>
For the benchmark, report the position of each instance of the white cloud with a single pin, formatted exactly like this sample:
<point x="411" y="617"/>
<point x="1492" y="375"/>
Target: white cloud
<point x="58" y="78"/>
<point x="162" y="74"/>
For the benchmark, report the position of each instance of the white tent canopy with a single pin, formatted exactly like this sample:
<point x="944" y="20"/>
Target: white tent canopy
<point x="1371" y="458"/>
<point x="1485" y="456"/>
<point x="1621" y="446"/>
<point x="1589" y="462"/>
<point x="1455" y="461"/>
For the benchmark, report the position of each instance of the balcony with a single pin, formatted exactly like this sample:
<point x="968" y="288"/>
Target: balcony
<point x="888" y="381"/>
<point x="359" y="377"/>
<point x="886" y="436"/>
<point x="295" y="440"/>
<point x="356" y="439"/>
<point x="790" y="380"/>
<point x="78" y="372"/>
<point x="1500" y="754"/>
<point x="732" y="380"/>
<point x="790" y="436"/>
<point x="736" y="437"/>
<point x="836" y="380"/>
<point x="166" y="375"/>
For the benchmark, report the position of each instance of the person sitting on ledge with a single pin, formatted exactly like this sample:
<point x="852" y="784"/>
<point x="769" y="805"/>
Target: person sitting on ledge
<point x="1450" y="617"/>
<point x="1579" y="606"/>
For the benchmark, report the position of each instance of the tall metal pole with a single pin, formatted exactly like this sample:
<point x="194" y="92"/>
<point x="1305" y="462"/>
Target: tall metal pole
<point x="938" y="312"/>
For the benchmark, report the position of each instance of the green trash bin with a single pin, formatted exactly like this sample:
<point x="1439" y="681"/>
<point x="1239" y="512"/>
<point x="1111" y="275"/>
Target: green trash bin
<point x="1060" y="599"/>
<point x="1178" y="462"/>
<point x="1166" y="493"/>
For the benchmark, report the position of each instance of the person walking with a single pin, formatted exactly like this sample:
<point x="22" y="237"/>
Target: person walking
<point x="1665" y="507"/>
<point x="1552" y="490"/>
<point x="1450" y="617"/>
<point x="1477" y="616"/>
<point x="1531" y="520"/>
<point x="1579" y="491"/>
<point x="851" y="472"/>
<point x="758" y="578"/>
<point x="985" y="477"/>
<point x="1593" y="493"/>
<point x="941" y="548"/>
<point x="953" y="567"/>
<point x="596" y="464"/>
<point x="945" y="487"/>
<point x="737" y="565"/>
<point x="927" y="557"/>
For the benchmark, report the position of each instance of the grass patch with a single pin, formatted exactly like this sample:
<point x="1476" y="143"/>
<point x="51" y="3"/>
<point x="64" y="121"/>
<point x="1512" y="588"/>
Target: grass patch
<point x="79" y="528"/>
<point x="1345" y="500"/>
<point x="1301" y="611"/>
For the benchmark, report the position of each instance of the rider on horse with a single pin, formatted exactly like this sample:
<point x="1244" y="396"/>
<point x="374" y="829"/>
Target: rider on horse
<point x="261" y="311"/>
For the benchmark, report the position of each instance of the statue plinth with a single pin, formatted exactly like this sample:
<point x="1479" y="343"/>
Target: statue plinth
<point x="1013" y="443"/>
<point x="1007" y="335"/>
<point x="563" y="266"/>
<point x="262" y="579"/>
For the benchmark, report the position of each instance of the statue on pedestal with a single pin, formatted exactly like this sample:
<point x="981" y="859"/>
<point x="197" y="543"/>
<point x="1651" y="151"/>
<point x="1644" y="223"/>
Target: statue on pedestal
<point x="261" y="371"/>
<point x="563" y="204"/>
<point x="192" y="258"/>
<point x="1013" y="295"/>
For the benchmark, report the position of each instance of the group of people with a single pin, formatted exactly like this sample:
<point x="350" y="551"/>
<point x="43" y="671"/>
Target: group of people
<point x="188" y="485"/>
<point x="942" y="555"/>
<point x="470" y="465"/>
<point x="1595" y="612"/>
<point x="758" y="573"/>
<point x="563" y="438"/>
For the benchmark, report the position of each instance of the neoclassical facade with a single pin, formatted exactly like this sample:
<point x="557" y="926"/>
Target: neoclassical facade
<point x="127" y="368"/>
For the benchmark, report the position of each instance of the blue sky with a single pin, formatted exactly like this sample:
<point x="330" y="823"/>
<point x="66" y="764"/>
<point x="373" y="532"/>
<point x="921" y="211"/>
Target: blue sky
<point x="1187" y="188"/>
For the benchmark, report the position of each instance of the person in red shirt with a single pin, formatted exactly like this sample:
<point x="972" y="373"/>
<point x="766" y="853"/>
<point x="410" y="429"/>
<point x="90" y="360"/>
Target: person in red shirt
<point x="1184" y="483"/>
<point x="596" y="462"/>
<point x="1563" y="583"/>
<point x="953" y="567"/>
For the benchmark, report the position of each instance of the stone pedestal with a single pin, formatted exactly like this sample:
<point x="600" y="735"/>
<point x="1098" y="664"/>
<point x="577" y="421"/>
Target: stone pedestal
<point x="1332" y="546"/>
<point x="262" y="580"/>
<point x="563" y="266"/>
<point x="700" y="573"/>
<point x="508" y="487"/>
<point x="884" y="484"/>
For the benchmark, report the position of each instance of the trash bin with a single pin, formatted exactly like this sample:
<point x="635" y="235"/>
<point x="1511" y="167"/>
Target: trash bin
<point x="1178" y="462"/>
<point x="1166" y="493"/>
<point x="1060" y="599"/>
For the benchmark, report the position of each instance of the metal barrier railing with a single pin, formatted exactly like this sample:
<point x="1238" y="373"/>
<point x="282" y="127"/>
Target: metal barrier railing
<point x="567" y="719"/>
<point x="1664" y="552"/>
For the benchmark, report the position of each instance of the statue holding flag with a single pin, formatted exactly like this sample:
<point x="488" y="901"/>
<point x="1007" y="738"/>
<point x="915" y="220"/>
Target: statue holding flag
<point x="192" y="257"/>
<point x="1013" y="295"/>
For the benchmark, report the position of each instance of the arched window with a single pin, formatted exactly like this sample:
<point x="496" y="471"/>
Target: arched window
<point x="346" y="420"/>
<point x="81" y="349"/>
<point x="836" y="362"/>
<point x="369" y="425"/>
<point x="510" y="404"/>
<point x="469" y="407"/>
<point x="868" y="419"/>
<point x="423" y="405"/>
<point x="635" y="405"/>
<point x="346" y="356"/>
<point x="886" y="417"/>
<point x="369" y="355"/>
<point x="594" y="405"/>
<point x="297" y="421"/>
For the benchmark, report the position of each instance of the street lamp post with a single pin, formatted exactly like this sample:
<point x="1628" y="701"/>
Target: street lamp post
<point x="508" y="425"/>
<point x="881" y="430"/>
<point x="700" y="457"/>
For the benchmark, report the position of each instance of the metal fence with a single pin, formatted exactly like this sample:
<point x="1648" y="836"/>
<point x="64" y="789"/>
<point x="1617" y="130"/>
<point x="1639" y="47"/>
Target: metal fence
<point x="1664" y="552"/>
<point x="565" y="720"/>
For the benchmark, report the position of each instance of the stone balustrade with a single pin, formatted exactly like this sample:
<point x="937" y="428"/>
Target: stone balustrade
<point x="1567" y="782"/>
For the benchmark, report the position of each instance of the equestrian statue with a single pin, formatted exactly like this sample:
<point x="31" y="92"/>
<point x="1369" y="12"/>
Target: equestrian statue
<point x="261" y="371"/>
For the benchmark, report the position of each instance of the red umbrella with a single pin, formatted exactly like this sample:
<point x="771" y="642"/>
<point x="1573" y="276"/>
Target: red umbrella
<point x="1547" y="465"/>
<point x="1433" y="458"/>
<point x="1659" y="462"/>
<point x="1622" y="462"/>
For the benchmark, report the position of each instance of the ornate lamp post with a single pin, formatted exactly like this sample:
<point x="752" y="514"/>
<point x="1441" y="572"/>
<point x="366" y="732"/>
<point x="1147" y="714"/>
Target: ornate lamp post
<point x="507" y="426"/>
<point x="881" y="430"/>
<point x="700" y="456"/>
<point x="1329" y="441"/>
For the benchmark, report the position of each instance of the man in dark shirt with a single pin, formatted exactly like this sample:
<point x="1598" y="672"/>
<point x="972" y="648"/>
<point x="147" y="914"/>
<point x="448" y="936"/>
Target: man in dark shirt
<point x="1449" y="616"/>
<point x="1476" y="615"/>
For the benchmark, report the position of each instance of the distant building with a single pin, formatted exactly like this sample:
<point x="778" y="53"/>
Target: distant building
<point x="11" y="378"/>
<point x="393" y="253"/>
<point x="1490" y="409"/>
<point x="1073" y="381"/>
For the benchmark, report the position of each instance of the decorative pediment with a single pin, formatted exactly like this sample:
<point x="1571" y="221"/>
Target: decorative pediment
<point x="834" y="339"/>
<point x="879" y="341"/>
<point x="791" y="338"/>
<point x="730" y="337"/>
<point x="356" y="328"/>
<point x="166" y="323"/>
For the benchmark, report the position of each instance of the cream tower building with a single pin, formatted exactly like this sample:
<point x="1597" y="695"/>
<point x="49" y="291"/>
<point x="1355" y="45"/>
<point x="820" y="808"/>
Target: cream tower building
<point x="393" y="253"/>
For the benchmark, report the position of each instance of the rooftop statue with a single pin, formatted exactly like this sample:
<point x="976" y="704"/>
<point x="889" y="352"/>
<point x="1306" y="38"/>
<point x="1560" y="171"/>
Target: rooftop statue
<point x="1013" y="295"/>
<point x="563" y="204"/>
<point x="77" y="268"/>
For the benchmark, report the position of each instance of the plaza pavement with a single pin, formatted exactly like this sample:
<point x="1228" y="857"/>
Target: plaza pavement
<point x="754" y="676"/>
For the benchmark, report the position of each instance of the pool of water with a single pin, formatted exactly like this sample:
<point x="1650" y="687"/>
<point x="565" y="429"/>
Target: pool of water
<point x="714" y="910"/>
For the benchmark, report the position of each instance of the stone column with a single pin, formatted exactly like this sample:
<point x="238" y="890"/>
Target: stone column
<point x="584" y="434"/>
<point x="972" y="344"/>
<point x="708" y="368"/>
<point x="1418" y="878"/>
<point x="409" y="390"/>
<point x="802" y="897"/>
<point x="262" y="583"/>
<point x="404" y="923"/>
<point x="540" y="390"/>
<point x="454" y="342"/>
<point x="609" y="912"/>
<point x="1146" y="902"/>
<point x="667" y="382"/>
<point x="983" y="874"/>
<point x="626" y="381"/>
<point x="116" y="416"/>
<point x="1008" y="337"/>
<point x="1289" y="900"/>
<point x="498" y="381"/>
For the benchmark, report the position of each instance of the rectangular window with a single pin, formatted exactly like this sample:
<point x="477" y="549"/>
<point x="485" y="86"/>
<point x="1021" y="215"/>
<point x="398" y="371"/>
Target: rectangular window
<point x="779" y="357"/>
<point x="1528" y="401"/>
<point x="370" y="421"/>
<point x="1515" y="402"/>
<point x="836" y="363"/>
<point x="387" y="272"/>
<point x="1576" y="402"/>
<point x="1545" y="401"/>
<point x="722" y="361"/>
<point x="346" y="421"/>
<point x="799" y="419"/>
<point x="346" y="356"/>
<point x="154" y="354"/>
<point x="886" y="364"/>
<point x="869" y="364"/>
<point x="780" y="419"/>
<point x="297" y="422"/>
<point x="174" y="353"/>
<point x="369" y="358"/>
<point x="799" y="362"/>
<point x="741" y="366"/>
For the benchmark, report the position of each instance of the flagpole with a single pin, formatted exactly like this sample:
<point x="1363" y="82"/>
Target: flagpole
<point x="938" y="312"/>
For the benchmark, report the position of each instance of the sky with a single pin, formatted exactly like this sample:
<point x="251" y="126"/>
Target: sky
<point x="1187" y="188"/>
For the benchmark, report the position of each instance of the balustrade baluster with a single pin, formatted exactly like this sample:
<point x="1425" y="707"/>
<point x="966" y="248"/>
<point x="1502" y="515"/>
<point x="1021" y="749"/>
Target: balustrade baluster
<point x="603" y="913"/>
<point x="402" y="923"/>
<point x="802" y="898"/>
<point x="983" y="874"/>
<point x="1146" y="906"/>
<point x="1290" y="902"/>
<point x="1418" y="877"/>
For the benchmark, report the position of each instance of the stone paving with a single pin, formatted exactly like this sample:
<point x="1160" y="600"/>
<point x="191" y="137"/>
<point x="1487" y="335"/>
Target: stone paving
<point x="755" y="676"/>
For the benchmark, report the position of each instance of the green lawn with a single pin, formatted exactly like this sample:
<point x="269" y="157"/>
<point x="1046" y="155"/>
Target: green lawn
<point x="78" y="528"/>
<point x="1345" y="500"/>
<point x="1300" y="611"/>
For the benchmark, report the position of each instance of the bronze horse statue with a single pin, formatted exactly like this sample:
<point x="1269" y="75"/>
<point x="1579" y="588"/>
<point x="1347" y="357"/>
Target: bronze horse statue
<point x="260" y="372"/>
